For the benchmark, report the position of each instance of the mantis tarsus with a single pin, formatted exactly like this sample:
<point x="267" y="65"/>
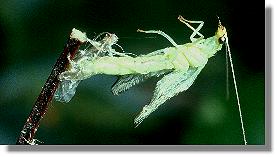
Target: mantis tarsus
<point x="179" y="65"/>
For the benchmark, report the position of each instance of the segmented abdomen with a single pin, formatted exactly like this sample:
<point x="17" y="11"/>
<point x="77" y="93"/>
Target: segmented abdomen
<point x="194" y="55"/>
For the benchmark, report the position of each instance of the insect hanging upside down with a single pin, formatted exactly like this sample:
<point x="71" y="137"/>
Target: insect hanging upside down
<point x="179" y="65"/>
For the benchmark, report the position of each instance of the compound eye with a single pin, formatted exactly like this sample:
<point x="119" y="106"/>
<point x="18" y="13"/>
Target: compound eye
<point x="221" y="40"/>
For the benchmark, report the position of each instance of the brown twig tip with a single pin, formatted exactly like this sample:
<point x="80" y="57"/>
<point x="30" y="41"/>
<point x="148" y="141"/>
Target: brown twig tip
<point x="41" y="105"/>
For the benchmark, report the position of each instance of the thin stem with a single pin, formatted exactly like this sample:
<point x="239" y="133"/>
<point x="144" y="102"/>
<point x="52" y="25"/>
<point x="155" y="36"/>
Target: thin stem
<point x="41" y="105"/>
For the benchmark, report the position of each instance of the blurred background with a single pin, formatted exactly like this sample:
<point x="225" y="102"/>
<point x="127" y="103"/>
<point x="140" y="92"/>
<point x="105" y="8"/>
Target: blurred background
<point x="32" y="36"/>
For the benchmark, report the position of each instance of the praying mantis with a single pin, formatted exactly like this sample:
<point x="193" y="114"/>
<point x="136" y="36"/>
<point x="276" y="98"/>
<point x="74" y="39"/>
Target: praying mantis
<point x="179" y="65"/>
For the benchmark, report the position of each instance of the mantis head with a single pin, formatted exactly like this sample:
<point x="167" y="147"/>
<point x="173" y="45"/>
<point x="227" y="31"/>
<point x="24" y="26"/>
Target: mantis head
<point x="221" y="32"/>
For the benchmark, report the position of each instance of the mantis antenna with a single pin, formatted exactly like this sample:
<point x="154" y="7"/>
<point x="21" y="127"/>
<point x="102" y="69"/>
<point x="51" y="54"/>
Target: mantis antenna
<point x="225" y="37"/>
<point x="227" y="75"/>
<point x="236" y="89"/>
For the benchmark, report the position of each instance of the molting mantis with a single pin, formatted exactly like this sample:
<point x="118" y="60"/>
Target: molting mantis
<point x="179" y="65"/>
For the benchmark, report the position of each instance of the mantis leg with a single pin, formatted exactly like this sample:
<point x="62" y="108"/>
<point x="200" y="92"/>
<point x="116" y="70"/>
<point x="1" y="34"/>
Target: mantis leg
<point x="160" y="33"/>
<point x="195" y="31"/>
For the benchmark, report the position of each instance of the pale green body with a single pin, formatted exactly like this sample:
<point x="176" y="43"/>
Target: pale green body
<point x="178" y="58"/>
<point x="180" y="66"/>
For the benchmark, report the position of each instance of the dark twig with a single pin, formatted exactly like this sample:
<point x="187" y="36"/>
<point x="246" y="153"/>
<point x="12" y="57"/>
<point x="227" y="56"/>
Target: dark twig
<point x="40" y="107"/>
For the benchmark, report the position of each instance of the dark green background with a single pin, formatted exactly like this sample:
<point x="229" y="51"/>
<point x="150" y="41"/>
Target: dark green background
<point x="33" y="33"/>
